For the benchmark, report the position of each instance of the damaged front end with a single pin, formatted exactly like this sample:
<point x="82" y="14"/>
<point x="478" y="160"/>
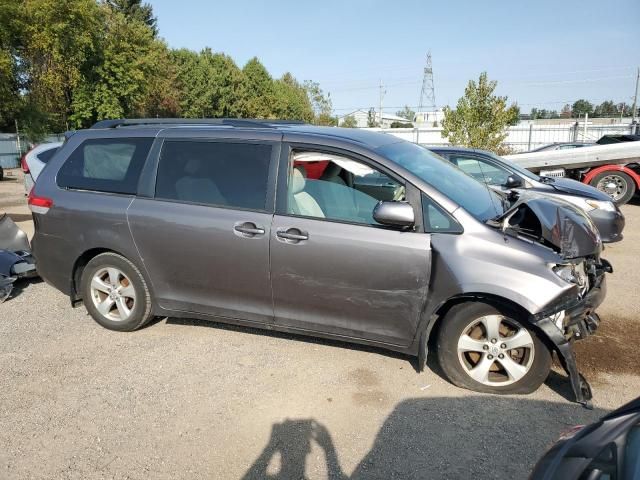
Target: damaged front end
<point x="16" y="260"/>
<point x="572" y="235"/>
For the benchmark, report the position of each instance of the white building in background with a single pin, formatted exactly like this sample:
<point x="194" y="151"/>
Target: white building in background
<point x="362" y="118"/>
<point x="427" y="119"/>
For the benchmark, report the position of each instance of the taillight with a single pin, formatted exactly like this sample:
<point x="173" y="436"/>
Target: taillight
<point x="23" y="163"/>
<point x="39" y="204"/>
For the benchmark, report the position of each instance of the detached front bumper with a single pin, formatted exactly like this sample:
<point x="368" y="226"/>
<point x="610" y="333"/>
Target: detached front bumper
<point x="574" y="320"/>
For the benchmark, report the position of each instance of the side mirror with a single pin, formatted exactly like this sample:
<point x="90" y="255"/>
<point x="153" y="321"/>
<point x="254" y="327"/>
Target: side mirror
<point x="394" y="214"/>
<point x="513" y="181"/>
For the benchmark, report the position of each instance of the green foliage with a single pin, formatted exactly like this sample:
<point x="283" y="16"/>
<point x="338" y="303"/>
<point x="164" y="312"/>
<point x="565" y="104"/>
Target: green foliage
<point x="543" y="113"/>
<point x="136" y="11"/>
<point x="209" y="84"/>
<point x="481" y="118"/>
<point x="371" y="118"/>
<point x="407" y="113"/>
<point x="401" y="125"/>
<point x="69" y="63"/>
<point x="60" y="44"/>
<point x="10" y="73"/>
<point x="117" y="86"/>
<point x="291" y="101"/>
<point x="349" y="122"/>
<point x="581" y="107"/>
<point x="321" y="104"/>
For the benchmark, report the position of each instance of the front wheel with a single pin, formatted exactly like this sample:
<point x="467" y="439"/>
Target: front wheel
<point x="618" y="185"/>
<point x="490" y="350"/>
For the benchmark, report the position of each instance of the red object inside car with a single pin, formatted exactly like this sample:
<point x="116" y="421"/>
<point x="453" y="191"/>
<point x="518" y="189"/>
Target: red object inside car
<point x="314" y="170"/>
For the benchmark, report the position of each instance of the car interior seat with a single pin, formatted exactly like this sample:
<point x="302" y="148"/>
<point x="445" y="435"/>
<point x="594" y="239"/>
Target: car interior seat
<point x="301" y="202"/>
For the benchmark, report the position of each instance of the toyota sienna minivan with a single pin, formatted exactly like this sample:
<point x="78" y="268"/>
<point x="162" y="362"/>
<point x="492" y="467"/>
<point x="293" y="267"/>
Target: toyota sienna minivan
<point x="331" y="232"/>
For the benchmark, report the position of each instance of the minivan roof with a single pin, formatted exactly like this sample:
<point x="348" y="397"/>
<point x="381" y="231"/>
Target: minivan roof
<point x="371" y="139"/>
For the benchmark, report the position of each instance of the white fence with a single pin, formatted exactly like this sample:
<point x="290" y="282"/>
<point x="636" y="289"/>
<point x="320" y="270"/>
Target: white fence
<point x="521" y="138"/>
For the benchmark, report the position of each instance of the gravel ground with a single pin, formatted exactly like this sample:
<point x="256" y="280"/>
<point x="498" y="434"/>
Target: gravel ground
<point x="191" y="399"/>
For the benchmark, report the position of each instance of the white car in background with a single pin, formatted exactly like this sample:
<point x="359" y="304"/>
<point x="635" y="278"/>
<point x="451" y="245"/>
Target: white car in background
<point x="34" y="161"/>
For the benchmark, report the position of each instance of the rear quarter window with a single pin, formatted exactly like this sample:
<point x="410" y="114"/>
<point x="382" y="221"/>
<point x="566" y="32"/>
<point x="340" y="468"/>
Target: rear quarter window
<point x="106" y="165"/>
<point x="45" y="156"/>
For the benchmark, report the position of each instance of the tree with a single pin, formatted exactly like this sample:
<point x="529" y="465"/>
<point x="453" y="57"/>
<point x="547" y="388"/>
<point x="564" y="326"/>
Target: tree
<point x="61" y="42"/>
<point x="119" y="85"/>
<point x="581" y="107"/>
<point x="321" y="104"/>
<point x="606" y="109"/>
<point x="407" y="113"/>
<point x="137" y="11"/>
<point x="258" y="90"/>
<point x="401" y="125"/>
<point x="290" y="100"/>
<point x="481" y="118"/>
<point x="10" y="71"/>
<point x="371" y="118"/>
<point x="349" y="122"/>
<point x="566" y="111"/>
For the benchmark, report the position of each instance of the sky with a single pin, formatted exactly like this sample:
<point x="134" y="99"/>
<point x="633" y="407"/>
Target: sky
<point x="542" y="53"/>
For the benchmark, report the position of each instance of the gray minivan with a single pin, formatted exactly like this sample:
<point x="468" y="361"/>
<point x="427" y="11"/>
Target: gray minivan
<point x="331" y="232"/>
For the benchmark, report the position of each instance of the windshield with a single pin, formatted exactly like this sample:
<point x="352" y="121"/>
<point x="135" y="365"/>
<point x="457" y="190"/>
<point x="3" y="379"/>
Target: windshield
<point x="514" y="166"/>
<point x="475" y="197"/>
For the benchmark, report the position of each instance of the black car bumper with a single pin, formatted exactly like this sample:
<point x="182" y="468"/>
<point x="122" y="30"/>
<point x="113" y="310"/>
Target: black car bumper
<point x="579" y="321"/>
<point x="610" y="224"/>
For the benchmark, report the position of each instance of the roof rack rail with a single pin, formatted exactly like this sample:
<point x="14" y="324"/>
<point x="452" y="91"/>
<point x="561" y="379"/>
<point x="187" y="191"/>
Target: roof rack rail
<point x="232" y="122"/>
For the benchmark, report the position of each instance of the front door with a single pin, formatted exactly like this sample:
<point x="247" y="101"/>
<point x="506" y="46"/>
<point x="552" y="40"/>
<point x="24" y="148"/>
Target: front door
<point x="334" y="269"/>
<point x="204" y="237"/>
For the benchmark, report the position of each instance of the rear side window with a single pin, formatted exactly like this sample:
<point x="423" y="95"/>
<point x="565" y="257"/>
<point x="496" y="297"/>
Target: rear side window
<point x="214" y="173"/>
<point x="106" y="165"/>
<point x="45" y="156"/>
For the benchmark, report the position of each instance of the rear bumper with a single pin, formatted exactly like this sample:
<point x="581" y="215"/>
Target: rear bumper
<point x="609" y="224"/>
<point x="52" y="260"/>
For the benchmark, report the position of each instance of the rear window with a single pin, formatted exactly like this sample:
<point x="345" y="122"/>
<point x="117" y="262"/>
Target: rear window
<point x="45" y="156"/>
<point x="106" y="165"/>
<point x="214" y="173"/>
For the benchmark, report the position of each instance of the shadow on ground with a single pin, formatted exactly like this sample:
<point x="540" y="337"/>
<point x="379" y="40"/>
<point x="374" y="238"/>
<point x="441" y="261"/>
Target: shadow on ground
<point x="440" y="437"/>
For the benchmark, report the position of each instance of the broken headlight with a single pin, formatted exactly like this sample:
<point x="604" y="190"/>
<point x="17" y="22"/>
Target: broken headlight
<point x="573" y="273"/>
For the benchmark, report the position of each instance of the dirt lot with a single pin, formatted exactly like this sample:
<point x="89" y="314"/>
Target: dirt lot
<point x="201" y="400"/>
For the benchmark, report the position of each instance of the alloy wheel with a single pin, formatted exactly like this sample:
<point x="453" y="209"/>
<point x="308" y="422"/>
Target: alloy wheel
<point x="495" y="350"/>
<point x="113" y="294"/>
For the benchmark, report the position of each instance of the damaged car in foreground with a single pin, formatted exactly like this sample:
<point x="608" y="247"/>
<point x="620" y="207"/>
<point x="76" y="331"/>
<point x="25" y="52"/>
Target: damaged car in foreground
<point x="330" y="232"/>
<point x="16" y="260"/>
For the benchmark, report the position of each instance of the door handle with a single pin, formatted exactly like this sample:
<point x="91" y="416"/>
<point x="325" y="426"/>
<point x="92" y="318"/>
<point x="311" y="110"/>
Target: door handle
<point x="292" y="234"/>
<point x="248" y="229"/>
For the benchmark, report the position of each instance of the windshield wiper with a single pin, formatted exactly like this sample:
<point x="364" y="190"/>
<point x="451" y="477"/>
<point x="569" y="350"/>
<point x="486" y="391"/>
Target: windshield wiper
<point x="547" y="179"/>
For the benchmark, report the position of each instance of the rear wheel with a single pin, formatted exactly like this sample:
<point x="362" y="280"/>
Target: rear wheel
<point x="618" y="185"/>
<point x="115" y="293"/>
<point x="491" y="350"/>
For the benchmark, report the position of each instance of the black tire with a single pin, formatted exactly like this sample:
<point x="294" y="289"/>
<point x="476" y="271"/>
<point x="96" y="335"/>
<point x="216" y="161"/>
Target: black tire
<point x="140" y="311"/>
<point x="455" y="324"/>
<point x="623" y="179"/>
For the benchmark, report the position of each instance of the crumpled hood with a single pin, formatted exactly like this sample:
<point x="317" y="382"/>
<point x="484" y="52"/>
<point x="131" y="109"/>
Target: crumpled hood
<point x="553" y="222"/>
<point x="573" y="187"/>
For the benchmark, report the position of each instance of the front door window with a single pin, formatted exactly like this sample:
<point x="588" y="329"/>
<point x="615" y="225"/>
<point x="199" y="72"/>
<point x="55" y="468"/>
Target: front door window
<point x="333" y="187"/>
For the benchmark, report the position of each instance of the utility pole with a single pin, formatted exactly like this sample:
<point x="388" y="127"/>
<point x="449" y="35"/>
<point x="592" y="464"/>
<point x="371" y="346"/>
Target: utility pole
<point x="635" y="98"/>
<point x="382" y="92"/>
